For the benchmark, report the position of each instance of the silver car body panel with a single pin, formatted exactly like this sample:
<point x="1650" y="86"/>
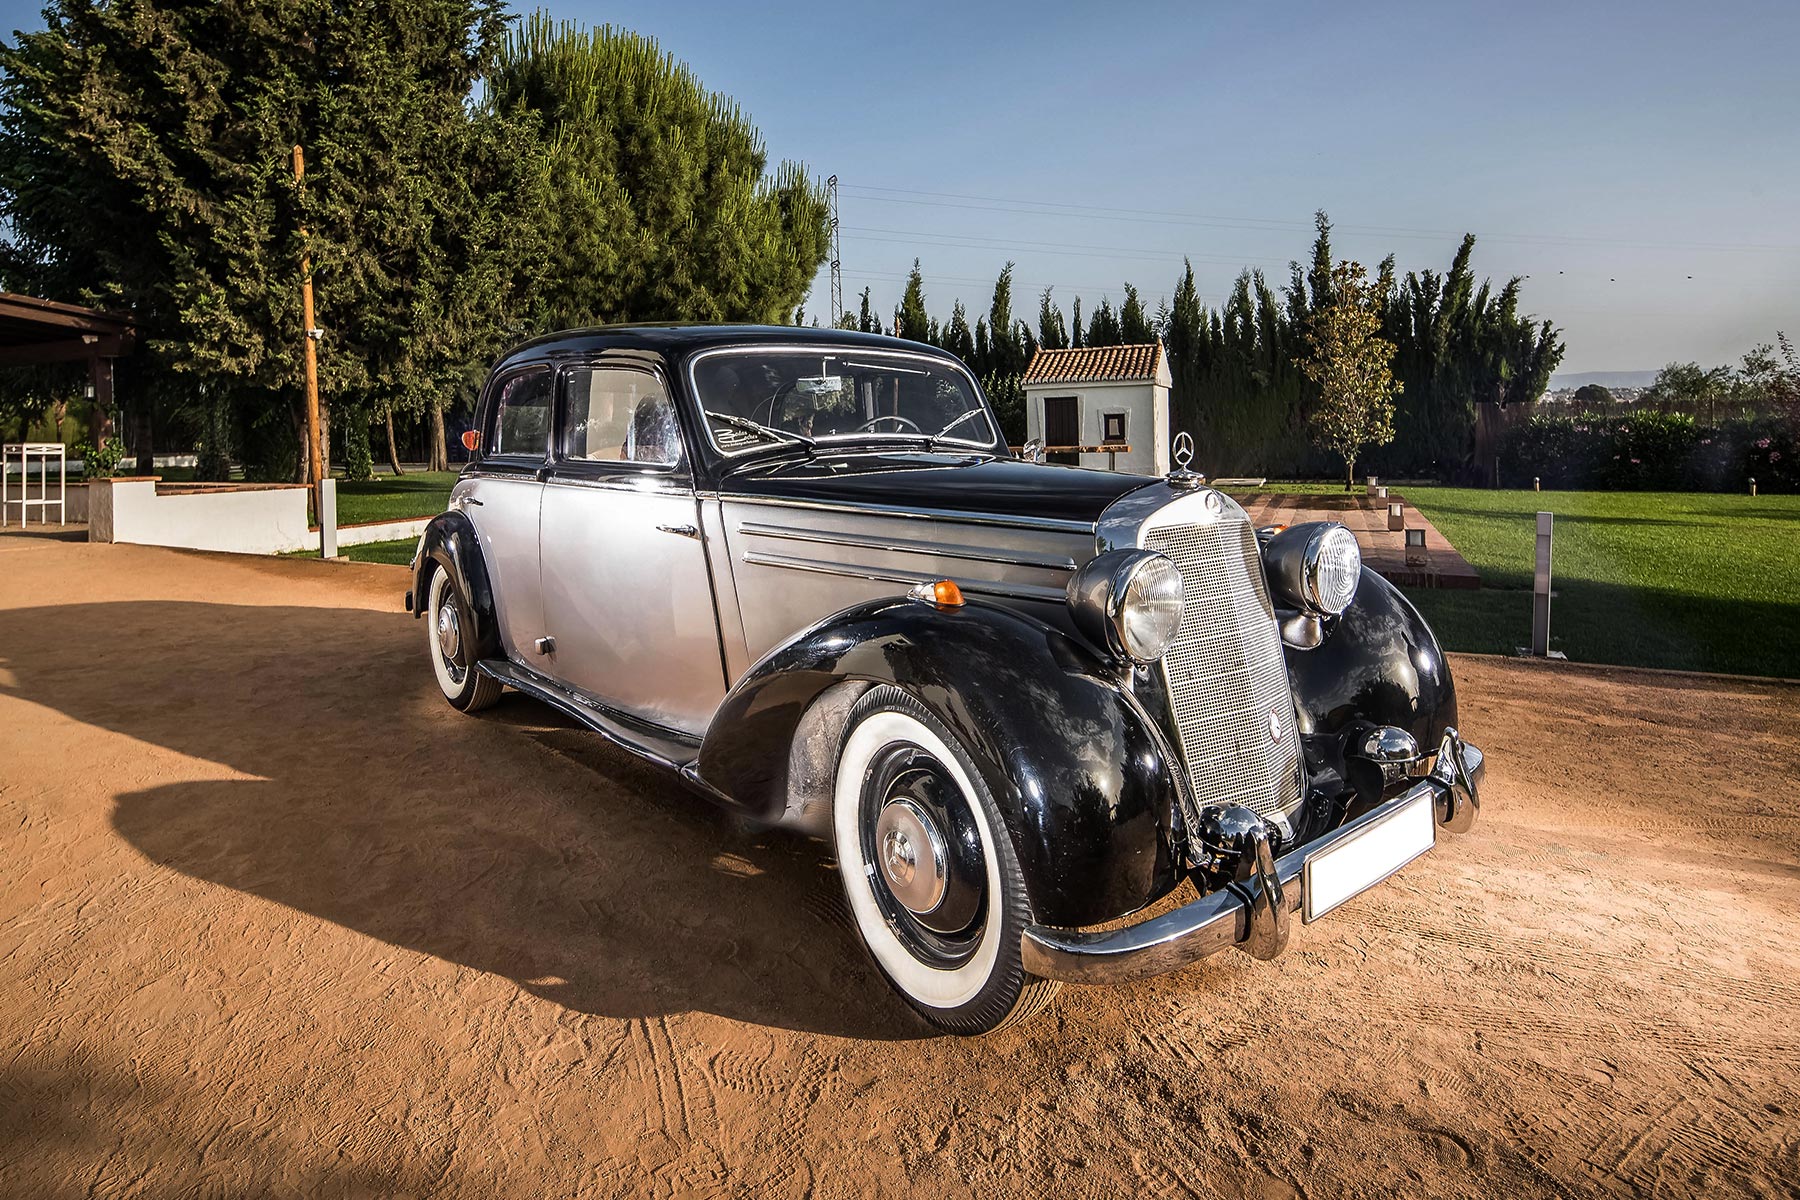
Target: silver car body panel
<point x="795" y="564"/>
<point x="628" y="597"/>
<point x="504" y="507"/>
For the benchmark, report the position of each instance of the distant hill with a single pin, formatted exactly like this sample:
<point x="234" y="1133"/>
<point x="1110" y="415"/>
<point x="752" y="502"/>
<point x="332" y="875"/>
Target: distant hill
<point x="1611" y="379"/>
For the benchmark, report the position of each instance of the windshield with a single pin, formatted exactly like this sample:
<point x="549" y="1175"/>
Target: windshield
<point x="766" y="397"/>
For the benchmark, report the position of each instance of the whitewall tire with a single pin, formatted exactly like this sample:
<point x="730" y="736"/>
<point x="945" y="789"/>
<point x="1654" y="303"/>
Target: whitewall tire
<point x="449" y="639"/>
<point x="928" y="868"/>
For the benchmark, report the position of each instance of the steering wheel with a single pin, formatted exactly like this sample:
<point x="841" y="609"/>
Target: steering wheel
<point x="869" y="425"/>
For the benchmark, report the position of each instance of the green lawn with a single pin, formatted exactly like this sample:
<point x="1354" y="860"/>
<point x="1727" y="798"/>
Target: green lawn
<point x="391" y="498"/>
<point x="1688" y="580"/>
<point x="382" y="552"/>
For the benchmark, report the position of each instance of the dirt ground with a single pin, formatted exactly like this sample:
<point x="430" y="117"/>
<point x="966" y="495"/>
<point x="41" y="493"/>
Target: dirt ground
<point x="275" y="920"/>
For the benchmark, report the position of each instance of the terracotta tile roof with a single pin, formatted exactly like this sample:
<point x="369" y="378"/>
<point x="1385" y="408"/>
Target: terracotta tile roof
<point x="1095" y="364"/>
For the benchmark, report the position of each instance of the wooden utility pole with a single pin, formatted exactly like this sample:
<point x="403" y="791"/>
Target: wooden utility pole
<point x="315" y="451"/>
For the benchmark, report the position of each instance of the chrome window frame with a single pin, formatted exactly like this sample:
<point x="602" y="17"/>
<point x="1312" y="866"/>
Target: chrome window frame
<point x="681" y="470"/>
<point x="489" y="418"/>
<point x="995" y="444"/>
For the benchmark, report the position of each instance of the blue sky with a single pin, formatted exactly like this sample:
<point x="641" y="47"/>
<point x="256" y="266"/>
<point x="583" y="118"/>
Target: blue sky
<point x="1608" y="151"/>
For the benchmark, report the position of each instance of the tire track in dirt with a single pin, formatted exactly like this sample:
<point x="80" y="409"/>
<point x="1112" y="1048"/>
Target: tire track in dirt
<point x="1487" y="942"/>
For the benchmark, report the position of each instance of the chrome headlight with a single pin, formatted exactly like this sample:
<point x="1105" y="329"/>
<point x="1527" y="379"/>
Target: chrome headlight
<point x="1128" y="601"/>
<point x="1314" y="567"/>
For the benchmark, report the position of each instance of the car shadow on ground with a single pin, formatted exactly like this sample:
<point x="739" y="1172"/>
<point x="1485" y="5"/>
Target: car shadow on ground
<point x="353" y="793"/>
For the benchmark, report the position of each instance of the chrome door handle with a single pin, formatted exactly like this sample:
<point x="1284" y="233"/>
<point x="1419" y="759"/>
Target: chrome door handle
<point x="682" y="530"/>
<point x="465" y="501"/>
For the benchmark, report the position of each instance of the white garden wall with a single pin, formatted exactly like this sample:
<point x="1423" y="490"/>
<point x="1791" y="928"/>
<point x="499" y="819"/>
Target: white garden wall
<point x="244" y="518"/>
<point x="241" y="518"/>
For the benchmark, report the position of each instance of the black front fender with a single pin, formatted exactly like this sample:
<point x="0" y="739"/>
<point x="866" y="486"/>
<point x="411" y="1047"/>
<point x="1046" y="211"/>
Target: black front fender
<point x="1379" y="664"/>
<point x="449" y="544"/>
<point x="1065" y="750"/>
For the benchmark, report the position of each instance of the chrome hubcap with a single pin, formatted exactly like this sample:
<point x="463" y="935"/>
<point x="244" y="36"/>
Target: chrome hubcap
<point x="911" y="856"/>
<point x="449" y="632"/>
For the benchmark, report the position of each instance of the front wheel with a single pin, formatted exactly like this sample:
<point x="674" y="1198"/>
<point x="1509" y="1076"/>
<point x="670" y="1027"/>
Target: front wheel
<point x="929" y="871"/>
<point x="449" y="638"/>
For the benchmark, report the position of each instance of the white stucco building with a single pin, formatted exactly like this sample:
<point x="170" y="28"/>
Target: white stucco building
<point x="1100" y="396"/>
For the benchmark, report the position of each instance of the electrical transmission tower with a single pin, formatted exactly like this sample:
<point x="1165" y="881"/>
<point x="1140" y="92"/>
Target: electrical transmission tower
<point x="837" y="254"/>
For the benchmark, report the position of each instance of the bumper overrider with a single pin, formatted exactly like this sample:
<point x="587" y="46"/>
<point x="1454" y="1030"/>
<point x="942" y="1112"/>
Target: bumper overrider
<point x="1254" y="913"/>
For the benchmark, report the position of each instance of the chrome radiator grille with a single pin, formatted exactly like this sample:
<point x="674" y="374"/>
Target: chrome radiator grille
<point x="1225" y="672"/>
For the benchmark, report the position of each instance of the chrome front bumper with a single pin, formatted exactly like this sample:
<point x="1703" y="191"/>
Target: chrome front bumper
<point x="1253" y="914"/>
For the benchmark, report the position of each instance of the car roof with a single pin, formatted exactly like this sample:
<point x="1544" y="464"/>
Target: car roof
<point x="682" y="339"/>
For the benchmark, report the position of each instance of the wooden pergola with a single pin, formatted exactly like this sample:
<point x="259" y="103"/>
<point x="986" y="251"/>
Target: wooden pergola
<point x="47" y="331"/>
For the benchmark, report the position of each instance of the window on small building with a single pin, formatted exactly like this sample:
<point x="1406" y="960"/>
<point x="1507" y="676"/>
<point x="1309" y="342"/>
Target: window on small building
<point x="1112" y="427"/>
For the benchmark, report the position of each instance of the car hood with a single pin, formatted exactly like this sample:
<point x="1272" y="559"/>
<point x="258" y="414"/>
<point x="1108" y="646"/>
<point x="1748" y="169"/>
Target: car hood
<point x="948" y="483"/>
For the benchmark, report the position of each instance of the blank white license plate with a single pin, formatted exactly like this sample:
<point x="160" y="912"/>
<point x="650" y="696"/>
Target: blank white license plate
<point x="1335" y="874"/>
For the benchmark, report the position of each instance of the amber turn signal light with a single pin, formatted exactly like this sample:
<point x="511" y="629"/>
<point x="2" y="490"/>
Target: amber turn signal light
<point x="942" y="592"/>
<point x="471" y="440"/>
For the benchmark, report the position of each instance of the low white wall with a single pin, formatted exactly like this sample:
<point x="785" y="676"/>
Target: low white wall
<point x="374" y="531"/>
<point x="258" y="519"/>
<point x="245" y="520"/>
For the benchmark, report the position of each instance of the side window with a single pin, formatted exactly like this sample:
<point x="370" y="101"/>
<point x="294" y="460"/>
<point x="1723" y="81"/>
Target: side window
<point x="522" y="416"/>
<point x="616" y="415"/>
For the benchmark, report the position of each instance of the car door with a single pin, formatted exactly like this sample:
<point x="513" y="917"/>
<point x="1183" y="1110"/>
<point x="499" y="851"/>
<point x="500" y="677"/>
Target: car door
<point x="628" y="597"/>
<point x="502" y="498"/>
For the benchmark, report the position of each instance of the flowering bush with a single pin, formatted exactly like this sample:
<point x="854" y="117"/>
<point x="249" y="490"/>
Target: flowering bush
<point x="1652" y="451"/>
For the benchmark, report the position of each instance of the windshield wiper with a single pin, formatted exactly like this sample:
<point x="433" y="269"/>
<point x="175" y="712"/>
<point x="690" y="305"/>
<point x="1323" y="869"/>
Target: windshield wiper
<point x="932" y="441"/>
<point x="745" y="423"/>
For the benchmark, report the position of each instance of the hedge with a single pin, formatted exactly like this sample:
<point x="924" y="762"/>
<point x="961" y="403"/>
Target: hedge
<point x="1652" y="451"/>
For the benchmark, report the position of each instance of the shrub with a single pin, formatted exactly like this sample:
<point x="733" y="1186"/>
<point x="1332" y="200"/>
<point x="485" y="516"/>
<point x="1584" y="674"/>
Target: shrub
<point x="1651" y="451"/>
<point x="100" y="462"/>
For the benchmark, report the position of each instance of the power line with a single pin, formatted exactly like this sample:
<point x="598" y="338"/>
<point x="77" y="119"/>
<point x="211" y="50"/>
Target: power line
<point x="984" y="241"/>
<point x="1028" y="207"/>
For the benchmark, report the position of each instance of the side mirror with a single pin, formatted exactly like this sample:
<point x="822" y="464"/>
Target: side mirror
<point x="1033" y="450"/>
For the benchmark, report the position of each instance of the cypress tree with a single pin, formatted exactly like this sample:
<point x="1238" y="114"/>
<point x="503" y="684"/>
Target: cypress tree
<point x="911" y="321"/>
<point x="1053" y="334"/>
<point x="1134" y="324"/>
<point x="1006" y="354"/>
<point x="957" y="338"/>
<point x="1103" y="330"/>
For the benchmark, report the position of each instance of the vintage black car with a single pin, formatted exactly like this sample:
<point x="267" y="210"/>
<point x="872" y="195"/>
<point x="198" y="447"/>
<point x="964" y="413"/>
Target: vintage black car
<point x="801" y="569"/>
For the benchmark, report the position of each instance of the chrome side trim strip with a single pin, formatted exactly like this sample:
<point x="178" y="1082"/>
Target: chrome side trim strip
<point x="657" y="482"/>
<point x="665" y="747"/>
<point x="950" y="516"/>
<point x="986" y="587"/>
<point x="1011" y="558"/>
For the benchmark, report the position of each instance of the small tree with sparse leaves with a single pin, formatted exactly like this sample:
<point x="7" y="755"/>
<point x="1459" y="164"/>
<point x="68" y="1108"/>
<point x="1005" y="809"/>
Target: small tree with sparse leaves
<point x="1351" y="364"/>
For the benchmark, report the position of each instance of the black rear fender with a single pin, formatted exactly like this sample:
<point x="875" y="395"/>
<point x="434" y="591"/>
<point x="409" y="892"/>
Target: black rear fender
<point x="449" y="544"/>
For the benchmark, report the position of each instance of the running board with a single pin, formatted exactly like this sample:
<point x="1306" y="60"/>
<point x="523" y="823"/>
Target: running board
<point x="665" y="747"/>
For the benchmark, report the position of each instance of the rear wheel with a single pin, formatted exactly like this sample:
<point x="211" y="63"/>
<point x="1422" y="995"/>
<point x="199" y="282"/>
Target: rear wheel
<point x="449" y="639"/>
<point x="933" y="884"/>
